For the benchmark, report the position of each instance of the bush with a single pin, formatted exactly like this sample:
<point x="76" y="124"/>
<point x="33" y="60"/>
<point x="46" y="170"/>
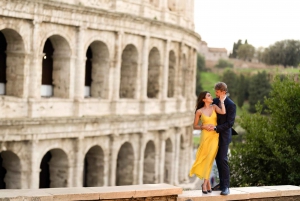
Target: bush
<point x="222" y="63"/>
<point x="269" y="154"/>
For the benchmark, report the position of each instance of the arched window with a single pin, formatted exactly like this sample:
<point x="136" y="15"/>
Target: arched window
<point x="93" y="173"/>
<point x="153" y="85"/>
<point x="129" y="72"/>
<point x="3" y="46"/>
<point x="171" y="76"/>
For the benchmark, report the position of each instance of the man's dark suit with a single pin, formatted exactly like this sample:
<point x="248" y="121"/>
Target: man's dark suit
<point x="224" y="128"/>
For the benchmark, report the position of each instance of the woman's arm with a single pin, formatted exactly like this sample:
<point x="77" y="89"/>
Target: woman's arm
<point x="196" y="120"/>
<point x="219" y="110"/>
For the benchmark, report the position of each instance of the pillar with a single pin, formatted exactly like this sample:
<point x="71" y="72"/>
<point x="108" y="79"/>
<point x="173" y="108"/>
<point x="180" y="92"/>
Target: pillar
<point x="79" y="71"/>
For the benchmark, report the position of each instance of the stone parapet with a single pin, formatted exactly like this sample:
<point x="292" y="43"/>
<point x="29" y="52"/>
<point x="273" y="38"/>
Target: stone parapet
<point x="262" y="193"/>
<point x="157" y="192"/>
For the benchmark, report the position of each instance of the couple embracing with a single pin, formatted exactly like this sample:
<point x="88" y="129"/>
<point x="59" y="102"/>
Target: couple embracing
<point x="217" y="117"/>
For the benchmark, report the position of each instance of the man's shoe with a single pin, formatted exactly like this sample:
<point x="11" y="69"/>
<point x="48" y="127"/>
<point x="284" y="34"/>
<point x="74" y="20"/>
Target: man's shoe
<point x="225" y="191"/>
<point x="217" y="187"/>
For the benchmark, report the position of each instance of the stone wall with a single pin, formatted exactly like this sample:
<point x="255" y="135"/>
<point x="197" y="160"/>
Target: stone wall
<point x="116" y="101"/>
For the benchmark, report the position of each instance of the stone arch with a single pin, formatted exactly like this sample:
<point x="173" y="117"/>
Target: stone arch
<point x="154" y="65"/>
<point x="12" y="63"/>
<point x="168" y="161"/>
<point x="97" y="67"/>
<point x="129" y="69"/>
<point x="10" y="170"/>
<point x="54" y="169"/>
<point x="171" y="75"/>
<point x="149" y="164"/>
<point x="93" y="173"/>
<point x="56" y="65"/>
<point x="184" y="77"/>
<point x="125" y="165"/>
<point x="181" y="171"/>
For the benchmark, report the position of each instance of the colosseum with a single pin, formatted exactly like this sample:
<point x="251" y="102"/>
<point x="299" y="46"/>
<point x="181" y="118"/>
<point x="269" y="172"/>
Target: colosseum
<point x="96" y="92"/>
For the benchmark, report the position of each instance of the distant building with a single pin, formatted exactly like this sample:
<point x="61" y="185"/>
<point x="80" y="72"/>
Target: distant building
<point x="211" y="54"/>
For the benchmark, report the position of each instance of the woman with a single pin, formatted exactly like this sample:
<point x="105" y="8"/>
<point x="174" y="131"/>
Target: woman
<point x="206" y="112"/>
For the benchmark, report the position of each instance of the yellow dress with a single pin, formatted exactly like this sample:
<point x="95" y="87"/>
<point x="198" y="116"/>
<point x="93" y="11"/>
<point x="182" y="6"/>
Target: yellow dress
<point x="207" y="150"/>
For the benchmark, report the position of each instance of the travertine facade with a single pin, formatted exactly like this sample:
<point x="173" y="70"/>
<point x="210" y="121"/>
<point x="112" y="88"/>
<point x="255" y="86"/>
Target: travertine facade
<point x="96" y="92"/>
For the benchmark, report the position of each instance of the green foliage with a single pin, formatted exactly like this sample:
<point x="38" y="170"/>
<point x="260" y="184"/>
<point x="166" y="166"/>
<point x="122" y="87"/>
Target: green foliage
<point x="269" y="154"/>
<point x="259" y="87"/>
<point x="242" y="90"/>
<point x="286" y="53"/>
<point x="200" y="62"/>
<point x="223" y="63"/>
<point x="246" y="52"/>
<point x="200" y="68"/>
<point x="235" y="48"/>
<point x="208" y="81"/>
<point x="231" y="79"/>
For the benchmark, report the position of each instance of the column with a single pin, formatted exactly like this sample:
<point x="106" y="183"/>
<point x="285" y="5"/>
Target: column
<point x="35" y="71"/>
<point x="165" y="74"/>
<point x="194" y="71"/>
<point x="79" y="71"/>
<point x="78" y="163"/>
<point x="144" y="72"/>
<point x="35" y="166"/>
<point x="113" y="159"/>
<point x="162" y="157"/>
<point x="117" y="71"/>
<point x="166" y="71"/>
<point x="144" y="76"/>
<point x="118" y="61"/>
<point x="141" y="159"/>
<point x="176" y="156"/>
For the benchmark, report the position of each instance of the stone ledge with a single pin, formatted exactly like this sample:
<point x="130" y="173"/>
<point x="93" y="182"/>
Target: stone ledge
<point x="263" y="193"/>
<point x="156" y="191"/>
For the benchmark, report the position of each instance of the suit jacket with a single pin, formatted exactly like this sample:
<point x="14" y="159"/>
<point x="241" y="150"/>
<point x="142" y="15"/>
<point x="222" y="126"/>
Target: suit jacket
<point x="226" y="121"/>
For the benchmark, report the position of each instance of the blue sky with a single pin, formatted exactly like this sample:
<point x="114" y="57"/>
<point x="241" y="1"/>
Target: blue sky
<point x="262" y="22"/>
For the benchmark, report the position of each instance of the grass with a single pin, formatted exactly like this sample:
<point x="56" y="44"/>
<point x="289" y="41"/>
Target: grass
<point x="196" y="140"/>
<point x="208" y="81"/>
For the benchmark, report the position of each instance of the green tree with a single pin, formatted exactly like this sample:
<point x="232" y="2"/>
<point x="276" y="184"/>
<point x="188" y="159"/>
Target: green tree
<point x="235" y="48"/>
<point x="230" y="78"/>
<point x="200" y="62"/>
<point x="200" y="67"/>
<point x="269" y="153"/>
<point x="242" y="90"/>
<point x="259" y="87"/>
<point x="286" y="53"/>
<point x="246" y="52"/>
<point x="223" y="63"/>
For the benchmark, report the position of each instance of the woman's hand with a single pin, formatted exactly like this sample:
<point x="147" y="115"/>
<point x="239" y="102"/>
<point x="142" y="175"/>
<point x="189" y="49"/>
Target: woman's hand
<point x="222" y="97"/>
<point x="208" y="127"/>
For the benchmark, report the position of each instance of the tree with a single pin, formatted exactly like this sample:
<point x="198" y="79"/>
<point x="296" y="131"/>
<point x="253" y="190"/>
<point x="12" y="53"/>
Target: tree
<point x="259" y="87"/>
<point x="286" y="53"/>
<point x="230" y="78"/>
<point x="235" y="48"/>
<point x="245" y="52"/>
<point x="200" y="62"/>
<point x="200" y="67"/>
<point x="242" y="90"/>
<point x="223" y="63"/>
<point x="269" y="154"/>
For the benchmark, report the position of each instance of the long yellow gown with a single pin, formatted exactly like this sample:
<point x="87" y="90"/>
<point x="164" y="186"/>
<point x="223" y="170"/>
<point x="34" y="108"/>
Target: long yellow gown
<point x="207" y="150"/>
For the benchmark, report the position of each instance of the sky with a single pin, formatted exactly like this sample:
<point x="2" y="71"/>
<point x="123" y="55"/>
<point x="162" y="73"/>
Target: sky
<point x="262" y="22"/>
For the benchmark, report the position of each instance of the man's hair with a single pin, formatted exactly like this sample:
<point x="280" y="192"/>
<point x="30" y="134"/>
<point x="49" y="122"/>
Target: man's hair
<point x="221" y="86"/>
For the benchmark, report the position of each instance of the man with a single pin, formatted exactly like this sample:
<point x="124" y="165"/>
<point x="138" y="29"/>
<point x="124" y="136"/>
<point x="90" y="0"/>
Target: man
<point x="224" y="128"/>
